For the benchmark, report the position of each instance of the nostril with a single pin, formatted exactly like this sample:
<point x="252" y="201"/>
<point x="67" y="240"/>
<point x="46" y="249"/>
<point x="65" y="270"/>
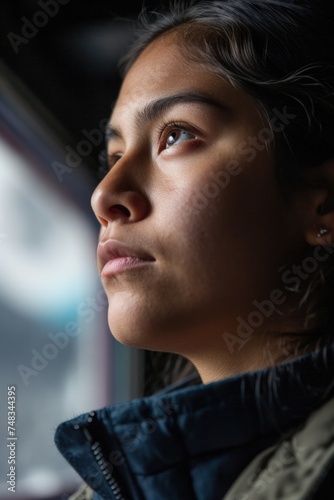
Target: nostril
<point x="119" y="209"/>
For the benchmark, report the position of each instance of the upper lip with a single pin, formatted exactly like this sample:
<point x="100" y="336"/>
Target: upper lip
<point x="111" y="249"/>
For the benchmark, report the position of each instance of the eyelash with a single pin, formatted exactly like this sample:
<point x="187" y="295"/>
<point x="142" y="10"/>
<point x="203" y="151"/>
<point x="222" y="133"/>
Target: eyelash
<point x="106" y="162"/>
<point x="166" y="128"/>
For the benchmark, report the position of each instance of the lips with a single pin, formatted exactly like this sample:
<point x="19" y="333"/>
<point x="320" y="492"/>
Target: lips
<point x="115" y="256"/>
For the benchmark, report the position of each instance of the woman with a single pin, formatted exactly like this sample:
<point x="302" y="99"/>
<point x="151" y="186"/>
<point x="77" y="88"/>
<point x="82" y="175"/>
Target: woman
<point x="217" y="224"/>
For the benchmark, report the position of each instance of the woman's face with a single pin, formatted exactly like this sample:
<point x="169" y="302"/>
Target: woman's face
<point x="191" y="187"/>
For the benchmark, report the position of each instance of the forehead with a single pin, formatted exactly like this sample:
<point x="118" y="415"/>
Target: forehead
<point x="162" y="70"/>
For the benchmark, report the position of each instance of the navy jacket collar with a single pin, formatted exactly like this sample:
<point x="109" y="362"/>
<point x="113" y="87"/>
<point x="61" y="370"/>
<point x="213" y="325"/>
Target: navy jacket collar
<point x="184" y="436"/>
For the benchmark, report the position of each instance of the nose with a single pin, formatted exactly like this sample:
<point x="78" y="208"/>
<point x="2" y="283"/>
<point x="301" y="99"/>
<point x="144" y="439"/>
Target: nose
<point x="119" y="197"/>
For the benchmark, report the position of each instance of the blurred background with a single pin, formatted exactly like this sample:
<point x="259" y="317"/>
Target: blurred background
<point x="58" y="79"/>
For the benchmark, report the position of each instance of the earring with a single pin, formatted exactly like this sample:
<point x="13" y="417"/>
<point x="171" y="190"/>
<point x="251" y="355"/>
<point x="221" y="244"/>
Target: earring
<point x="322" y="232"/>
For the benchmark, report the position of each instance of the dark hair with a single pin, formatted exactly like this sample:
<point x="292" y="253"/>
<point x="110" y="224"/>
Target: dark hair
<point x="281" y="52"/>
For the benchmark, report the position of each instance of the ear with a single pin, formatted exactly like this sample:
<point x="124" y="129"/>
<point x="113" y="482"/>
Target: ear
<point x="319" y="207"/>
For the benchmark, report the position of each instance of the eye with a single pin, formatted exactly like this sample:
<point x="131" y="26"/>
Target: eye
<point x="177" y="136"/>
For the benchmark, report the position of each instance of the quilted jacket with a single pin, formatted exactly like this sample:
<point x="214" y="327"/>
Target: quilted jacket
<point x="262" y="435"/>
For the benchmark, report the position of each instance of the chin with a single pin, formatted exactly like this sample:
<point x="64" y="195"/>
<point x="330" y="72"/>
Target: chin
<point x="131" y="329"/>
<point x="149" y="325"/>
<point x="141" y="332"/>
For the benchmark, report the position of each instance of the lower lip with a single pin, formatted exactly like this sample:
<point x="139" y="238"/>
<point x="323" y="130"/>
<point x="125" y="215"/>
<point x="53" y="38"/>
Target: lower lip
<point x="122" y="264"/>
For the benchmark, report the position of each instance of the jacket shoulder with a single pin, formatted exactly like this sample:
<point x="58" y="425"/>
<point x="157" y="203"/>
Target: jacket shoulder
<point x="301" y="467"/>
<point x="83" y="493"/>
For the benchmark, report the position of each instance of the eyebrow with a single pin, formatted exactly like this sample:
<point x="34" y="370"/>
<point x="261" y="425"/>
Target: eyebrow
<point x="159" y="107"/>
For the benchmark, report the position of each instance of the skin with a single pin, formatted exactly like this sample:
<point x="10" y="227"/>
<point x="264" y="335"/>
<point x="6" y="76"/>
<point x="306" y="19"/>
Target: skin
<point x="211" y="262"/>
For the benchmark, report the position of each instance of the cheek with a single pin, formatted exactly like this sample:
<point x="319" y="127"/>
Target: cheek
<point x="195" y="226"/>
<point x="231" y="227"/>
<point x="196" y="216"/>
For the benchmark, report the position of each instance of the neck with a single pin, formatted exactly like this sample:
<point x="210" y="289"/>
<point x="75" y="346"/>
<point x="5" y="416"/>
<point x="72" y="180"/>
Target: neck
<point x="234" y="354"/>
